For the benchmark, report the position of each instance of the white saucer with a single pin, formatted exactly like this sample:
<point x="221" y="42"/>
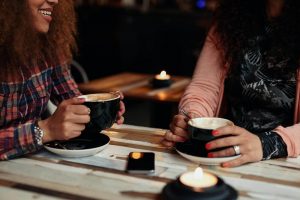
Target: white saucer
<point x="98" y="144"/>
<point x="206" y="161"/>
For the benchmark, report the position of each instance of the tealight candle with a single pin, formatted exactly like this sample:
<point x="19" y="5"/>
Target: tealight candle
<point x="161" y="80"/>
<point x="198" y="185"/>
<point x="198" y="179"/>
<point x="163" y="76"/>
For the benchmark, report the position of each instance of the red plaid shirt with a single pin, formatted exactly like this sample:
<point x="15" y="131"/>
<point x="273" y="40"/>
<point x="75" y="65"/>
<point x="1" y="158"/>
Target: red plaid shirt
<point x="22" y="104"/>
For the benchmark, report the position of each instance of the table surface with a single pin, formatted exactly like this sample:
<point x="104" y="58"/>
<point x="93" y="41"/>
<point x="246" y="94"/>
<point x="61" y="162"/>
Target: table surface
<point x="102" y="176"/>
<point x="137" y="86"/>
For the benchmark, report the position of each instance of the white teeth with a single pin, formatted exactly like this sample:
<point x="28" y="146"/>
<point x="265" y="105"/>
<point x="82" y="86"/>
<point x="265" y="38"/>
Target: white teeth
<point x="44" y="12"/>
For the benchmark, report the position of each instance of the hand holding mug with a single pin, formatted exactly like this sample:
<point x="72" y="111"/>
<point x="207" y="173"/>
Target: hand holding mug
<point x="248" y="143"/>
<point x="178" y="129"/>
<point x="67" y="121"/>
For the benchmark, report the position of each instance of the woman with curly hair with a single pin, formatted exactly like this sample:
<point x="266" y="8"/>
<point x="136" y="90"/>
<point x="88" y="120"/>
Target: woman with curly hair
<point x="249" y="65"/>
<point x="37" y="39"/>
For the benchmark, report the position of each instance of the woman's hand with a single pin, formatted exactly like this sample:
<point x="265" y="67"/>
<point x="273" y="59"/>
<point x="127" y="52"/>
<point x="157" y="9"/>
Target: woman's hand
<point x="120" y="118"/>
<point x="178" y="130"/>
<point x="67" y="121"/>
<point x="249" y="145"/>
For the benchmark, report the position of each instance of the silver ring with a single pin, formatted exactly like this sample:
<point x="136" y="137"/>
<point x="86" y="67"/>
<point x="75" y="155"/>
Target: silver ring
<point x="236" y="149"/>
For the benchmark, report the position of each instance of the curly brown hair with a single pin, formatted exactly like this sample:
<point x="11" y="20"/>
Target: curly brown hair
<point x="238" y="20"/>
<point x="22" y="46"/>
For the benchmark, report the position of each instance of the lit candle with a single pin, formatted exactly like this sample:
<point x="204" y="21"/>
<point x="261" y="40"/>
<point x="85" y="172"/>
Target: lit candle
<point x="163" y="76"/>
<point x="161" y="80"/>
<point x="198" y="180"/>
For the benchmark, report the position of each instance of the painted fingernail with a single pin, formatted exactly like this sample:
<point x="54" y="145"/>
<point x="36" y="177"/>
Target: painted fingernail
<point x="81" y="99"/>
<point x="225" y="165"/>
<point x="215" y="132"/>
<point x="208" y="146"/>
<point x="210" y="155"/>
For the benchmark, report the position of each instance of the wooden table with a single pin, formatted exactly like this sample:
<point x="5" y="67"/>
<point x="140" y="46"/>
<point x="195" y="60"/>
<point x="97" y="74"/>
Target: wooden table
<point x="102" y="176"/>
<point x="137" y="86"/>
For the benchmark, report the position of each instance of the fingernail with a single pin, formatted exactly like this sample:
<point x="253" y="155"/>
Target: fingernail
<point x="210" y="155"/>
<point x="225" y="165"/>
<point x="215" y="132"/>
<point x="81" y="99"/>
<point x="89" y="111"/>
<point x="208" y="146"/>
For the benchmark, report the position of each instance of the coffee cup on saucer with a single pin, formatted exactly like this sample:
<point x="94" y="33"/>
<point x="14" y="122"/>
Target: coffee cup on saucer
<point x="199" y="133"/>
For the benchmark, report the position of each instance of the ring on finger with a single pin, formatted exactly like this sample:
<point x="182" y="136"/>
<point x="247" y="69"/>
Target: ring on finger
<point x="237" y="149"/>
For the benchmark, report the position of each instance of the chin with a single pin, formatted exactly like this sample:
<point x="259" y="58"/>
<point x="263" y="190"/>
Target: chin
<point x="42" y="29"/>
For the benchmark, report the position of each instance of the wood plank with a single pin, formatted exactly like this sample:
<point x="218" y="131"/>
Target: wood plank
<point x="87" y="184"/>
<point x="13" y="193"/>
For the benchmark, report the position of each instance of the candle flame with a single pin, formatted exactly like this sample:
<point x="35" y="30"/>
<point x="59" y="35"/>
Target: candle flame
<point x="198" y="173"/>
<point x="163" y="73"/>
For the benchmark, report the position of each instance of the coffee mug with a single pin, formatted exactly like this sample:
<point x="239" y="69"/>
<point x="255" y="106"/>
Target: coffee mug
<point x="200" y="132"/>
<point x="104" y="108"/>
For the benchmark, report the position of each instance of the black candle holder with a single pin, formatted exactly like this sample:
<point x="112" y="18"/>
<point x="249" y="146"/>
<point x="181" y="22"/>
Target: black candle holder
<point x="175" y="190"/>
<point x="160" y="83"/>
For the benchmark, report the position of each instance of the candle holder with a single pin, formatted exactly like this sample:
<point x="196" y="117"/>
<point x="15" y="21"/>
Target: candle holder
<point x="175" y="190"/>
<point x="160" y="83"/>
<point x="161" y="80"/>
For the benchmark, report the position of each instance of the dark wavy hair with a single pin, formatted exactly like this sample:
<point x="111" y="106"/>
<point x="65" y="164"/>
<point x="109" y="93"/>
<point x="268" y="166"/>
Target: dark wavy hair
<point x="236" y="21"/>
<point x="22" y="46"/>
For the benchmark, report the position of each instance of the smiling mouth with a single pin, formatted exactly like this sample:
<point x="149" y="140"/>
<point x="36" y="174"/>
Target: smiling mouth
<point x="45" y="12"/>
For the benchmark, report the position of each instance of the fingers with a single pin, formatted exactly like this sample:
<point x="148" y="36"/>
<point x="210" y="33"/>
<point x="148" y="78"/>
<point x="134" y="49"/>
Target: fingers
<point x="222" y="153"/>
<point x="179" y="121"/>
<point x="236" y="162"/>
<point x="79" y="109"/>
<point x="173" y="138"/>
<point x="228" y="130"/>
<point x="167" y="143"/>
<point x="79" y="119"/>
<point x="223" y="142"/>
<point x="120" y="120"/>
<point x="122" y="108"/>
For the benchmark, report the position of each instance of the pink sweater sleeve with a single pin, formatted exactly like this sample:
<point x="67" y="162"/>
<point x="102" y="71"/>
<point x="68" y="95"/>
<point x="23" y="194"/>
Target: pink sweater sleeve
<point x="203" y="95"/>
<point x="291" y="137"/>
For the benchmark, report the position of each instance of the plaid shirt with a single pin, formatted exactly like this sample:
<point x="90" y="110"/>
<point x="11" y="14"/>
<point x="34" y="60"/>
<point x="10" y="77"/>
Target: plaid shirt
<point x="22" y="104"/>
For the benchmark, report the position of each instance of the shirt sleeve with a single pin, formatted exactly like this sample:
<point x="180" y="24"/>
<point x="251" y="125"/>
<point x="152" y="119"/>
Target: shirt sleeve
<point x="17" y="141"/>
<point x="204" y="94"/>
<point x="291" y="137"/>
<point x="273" y="145"/>
<point x="64" y="86"/>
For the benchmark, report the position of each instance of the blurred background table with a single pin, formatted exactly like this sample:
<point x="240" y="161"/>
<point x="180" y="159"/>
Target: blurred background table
<point x="138" y="91"/>
<point x="102" y="176"/>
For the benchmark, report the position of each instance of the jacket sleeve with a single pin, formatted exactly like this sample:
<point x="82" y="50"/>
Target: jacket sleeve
<point x="64" y="86"/>
<point x="204" y="94"/>
<point x="17" y="141"/>
<point x="291" y="137"/>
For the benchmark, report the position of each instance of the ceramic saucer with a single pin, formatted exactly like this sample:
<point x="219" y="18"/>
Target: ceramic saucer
<point x="203" y="160"/>
<point x="79" y="147"/>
